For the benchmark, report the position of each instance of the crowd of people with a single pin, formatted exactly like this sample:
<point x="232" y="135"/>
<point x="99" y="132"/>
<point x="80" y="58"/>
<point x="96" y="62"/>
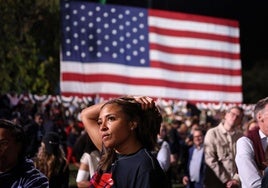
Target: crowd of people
<point x="135" y="142"/>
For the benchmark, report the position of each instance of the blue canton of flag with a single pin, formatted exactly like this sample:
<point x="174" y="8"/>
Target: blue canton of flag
<point x="105" y="34"/>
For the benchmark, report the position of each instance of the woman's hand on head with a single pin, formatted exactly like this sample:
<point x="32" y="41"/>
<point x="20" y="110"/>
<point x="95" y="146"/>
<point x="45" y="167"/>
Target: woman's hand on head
<point x="146" y="102"/>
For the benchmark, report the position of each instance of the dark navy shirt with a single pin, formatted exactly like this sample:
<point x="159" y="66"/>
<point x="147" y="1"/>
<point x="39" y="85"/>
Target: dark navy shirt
<point x="139" y="170"/>
<point x="24" y="175"/>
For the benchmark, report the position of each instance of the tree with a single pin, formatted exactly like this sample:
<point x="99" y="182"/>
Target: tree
<point x="29" y="59"/>
<point x="255" y="85"/>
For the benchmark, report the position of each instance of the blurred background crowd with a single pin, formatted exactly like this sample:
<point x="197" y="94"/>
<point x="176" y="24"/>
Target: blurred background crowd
<point x="41" y="114"/>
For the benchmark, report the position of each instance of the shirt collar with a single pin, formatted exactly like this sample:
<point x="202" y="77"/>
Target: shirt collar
<point x="224" y="131"/>
<point x="263" y="140"/>
<point x="262" y="135"/>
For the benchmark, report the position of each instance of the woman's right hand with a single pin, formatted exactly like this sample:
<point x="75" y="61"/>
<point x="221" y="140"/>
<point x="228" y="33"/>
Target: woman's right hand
<point x="146" y="102"/>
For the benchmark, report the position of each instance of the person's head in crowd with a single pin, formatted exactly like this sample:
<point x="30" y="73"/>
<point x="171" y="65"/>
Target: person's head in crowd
<point x="163" y="132"/>
<point x="250" y="125"/>
<point x="233" y="118"/>
<point x="176" y="123"/>
<point x="12" y="144"/>
<point x="194" y="126"/>
<point x="183" y="131"/>
<point x="51" y="143"/>
<point x="50" y="156"/>
<point x="198" y="137"/>
<point x="16" y="117"/>
<point x="39" y="118"/>
<point x="261" y="115"/>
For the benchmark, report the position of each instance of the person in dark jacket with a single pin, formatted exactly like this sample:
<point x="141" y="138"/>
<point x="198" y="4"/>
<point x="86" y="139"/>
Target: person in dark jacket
<point x="15" y="169"/>
<point x="194" y="176"/>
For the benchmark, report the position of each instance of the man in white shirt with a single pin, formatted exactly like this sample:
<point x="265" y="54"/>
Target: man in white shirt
<point x="250" y="157"/>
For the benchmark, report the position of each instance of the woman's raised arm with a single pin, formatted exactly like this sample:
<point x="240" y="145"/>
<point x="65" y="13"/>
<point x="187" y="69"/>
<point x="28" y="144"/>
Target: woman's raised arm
<point x="89" y="117"/>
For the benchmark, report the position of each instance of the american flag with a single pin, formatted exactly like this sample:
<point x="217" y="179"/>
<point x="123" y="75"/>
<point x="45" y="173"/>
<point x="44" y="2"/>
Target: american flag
<point x="113" y="50"/>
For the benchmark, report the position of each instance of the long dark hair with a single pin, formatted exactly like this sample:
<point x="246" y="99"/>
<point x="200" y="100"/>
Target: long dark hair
<point x="148" y="126"/>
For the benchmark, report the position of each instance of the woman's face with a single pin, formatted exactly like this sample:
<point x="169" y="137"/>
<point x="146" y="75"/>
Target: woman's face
<point x="115" y="128"/>
<point x="163" y="132"/>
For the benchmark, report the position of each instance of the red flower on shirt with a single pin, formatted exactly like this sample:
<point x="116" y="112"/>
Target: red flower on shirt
<point x="101" y="180"/>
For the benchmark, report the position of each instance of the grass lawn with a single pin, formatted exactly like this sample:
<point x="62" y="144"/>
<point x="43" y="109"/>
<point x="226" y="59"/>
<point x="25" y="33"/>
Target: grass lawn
<point x="72" y="177"/>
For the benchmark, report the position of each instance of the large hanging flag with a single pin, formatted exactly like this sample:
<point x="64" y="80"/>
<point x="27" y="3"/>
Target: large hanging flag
<point x="113" y="50"/>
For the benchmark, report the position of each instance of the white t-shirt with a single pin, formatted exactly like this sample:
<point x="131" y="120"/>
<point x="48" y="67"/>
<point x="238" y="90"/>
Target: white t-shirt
<point x="91" y="160"/>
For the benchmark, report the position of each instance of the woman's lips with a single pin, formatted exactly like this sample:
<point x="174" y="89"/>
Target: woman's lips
<point x="105" y="137"/>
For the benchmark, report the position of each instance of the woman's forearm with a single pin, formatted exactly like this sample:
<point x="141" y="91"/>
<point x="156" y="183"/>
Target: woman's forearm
<point x="89" y="117"/>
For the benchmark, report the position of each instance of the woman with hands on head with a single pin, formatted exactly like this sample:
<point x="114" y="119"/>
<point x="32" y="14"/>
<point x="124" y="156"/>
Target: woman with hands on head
<point x="125" y="131"/>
